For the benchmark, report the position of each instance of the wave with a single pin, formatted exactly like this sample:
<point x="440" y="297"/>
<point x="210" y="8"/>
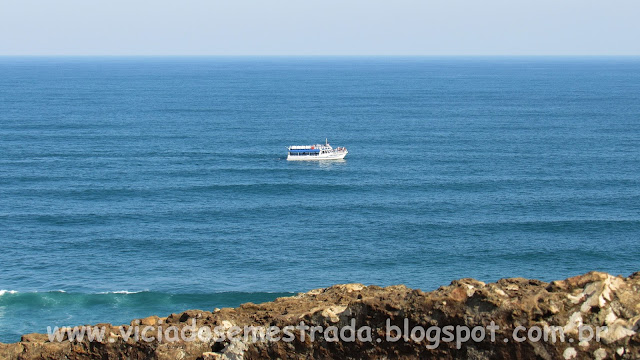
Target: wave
<point x="121" y="292"/>
<point x="133" y="299"/>
<point x="27" y="312"/>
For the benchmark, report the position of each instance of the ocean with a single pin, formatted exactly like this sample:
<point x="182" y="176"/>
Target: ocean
<point x="132" y="187"/>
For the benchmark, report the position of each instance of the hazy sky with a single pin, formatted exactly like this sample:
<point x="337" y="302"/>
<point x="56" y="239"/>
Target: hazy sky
<point x="313" y="27"/>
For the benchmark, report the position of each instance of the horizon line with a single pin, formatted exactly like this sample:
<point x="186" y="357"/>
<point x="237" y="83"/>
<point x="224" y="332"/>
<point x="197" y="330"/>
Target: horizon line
<point x="326" y="55"/>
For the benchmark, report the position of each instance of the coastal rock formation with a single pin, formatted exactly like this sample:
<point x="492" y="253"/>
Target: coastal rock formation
<point x="593" y="316"/>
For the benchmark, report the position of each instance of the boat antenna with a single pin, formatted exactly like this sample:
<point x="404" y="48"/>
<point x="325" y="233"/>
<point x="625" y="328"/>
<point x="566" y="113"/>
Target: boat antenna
<point x="326" y="141"/>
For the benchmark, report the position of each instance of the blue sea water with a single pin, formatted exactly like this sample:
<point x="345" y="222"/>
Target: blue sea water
<point x="139" y="186"/>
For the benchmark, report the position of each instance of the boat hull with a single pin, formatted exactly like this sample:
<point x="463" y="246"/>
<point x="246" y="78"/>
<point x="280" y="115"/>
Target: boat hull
<point x="334" y="156"/>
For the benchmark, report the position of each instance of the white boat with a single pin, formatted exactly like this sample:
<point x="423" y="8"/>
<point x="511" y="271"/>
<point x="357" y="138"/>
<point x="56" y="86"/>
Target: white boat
<point x="316" y="152"/>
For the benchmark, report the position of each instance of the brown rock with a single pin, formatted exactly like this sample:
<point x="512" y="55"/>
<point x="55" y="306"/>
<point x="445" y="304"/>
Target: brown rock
<point x="594" y="299"/>
<point x="149" y="321"/>
<point x="34" y="338"/>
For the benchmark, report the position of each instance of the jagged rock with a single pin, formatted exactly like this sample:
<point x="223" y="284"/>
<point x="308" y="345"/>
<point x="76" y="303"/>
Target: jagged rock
<point x="608" y="305"/>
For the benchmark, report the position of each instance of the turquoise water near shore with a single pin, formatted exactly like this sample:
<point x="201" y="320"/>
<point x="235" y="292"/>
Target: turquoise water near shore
<point x="143" y="186"/>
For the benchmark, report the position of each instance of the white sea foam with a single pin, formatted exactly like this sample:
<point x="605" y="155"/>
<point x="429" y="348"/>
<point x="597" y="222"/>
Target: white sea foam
<point x="121" y="292"/>
<point x="2" y="292"/>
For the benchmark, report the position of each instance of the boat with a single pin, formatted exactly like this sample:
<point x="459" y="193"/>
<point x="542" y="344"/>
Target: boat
<point x="316" y="152"/>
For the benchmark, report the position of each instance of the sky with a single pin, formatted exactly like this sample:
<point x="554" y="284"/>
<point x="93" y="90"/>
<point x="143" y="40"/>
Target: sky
<point x="320" y="27"/>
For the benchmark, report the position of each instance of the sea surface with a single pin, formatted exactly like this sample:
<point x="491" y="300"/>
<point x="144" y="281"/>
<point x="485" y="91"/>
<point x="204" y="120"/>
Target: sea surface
<point x="139" y="186"/>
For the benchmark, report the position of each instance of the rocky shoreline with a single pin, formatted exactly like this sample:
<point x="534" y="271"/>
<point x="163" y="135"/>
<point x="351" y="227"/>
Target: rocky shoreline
<point x="607" y="305"/>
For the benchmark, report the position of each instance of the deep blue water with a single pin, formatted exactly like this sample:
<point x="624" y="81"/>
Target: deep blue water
<point x="166" y="177"/>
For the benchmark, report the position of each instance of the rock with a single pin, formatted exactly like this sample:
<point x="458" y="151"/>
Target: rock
<point x="600" y="354"/>
<point x="350" y="287"/>
<point x="211" y="356"/>
<point x="34" y="338"/>
<point x="608" y="305"/>
<point x="333" y="312"/>
<point x="149" y="321"/>
<point x="569" y="353"/>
